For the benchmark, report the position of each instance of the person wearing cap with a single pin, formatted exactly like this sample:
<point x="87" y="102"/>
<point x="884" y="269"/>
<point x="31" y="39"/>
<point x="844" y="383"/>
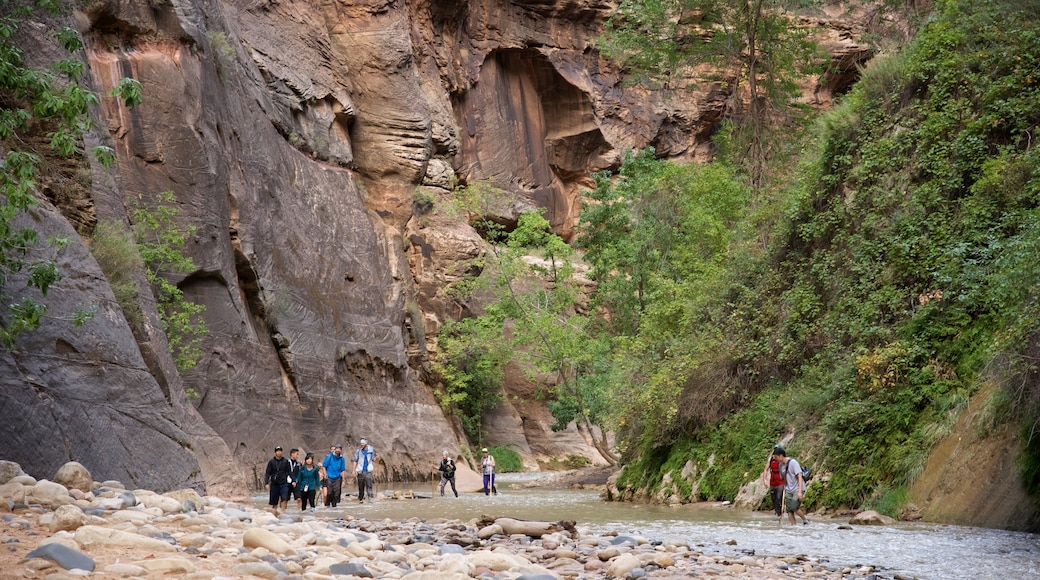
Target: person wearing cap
<point x="794" y="491"/>
<point x="487" y="466"/>
<point x="772" y="477"/>
<point x="335" y="464"/>
<point x="364" y="467"/>
<point x="276" y="479"/>
<point x="447" y="469"/>
<point x="309" y="481"/>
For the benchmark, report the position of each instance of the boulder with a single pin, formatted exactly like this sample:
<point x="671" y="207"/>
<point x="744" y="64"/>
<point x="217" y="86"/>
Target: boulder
<point x="261" y="538"/>
<point x="62" y="555"/>
<point x="488" y="531"/>
<point x="168" y="505"/>
<point x="620" y="567"/>
<point x="89" y="535"/>
<point x="171" y="565"/>
<point x="9" y="470"/>
<point x="50" y="494"/>
<point x="496" y="561"/>
<point x="68" y="518"/>
<point x="15" y="492"/>
<point x="74" y="476"/>
<point x="189" y="499"/>
<point x="260" y="569"/>
<point x="871" y="518"/>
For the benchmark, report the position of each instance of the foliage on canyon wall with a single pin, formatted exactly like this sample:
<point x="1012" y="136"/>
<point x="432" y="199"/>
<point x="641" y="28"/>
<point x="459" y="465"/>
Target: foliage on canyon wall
<point x="43" y="113"/>
<point x="529" y="285"/>
<point x="757" y="47"/>
<point x="34" y="101"/>
<point x="154" y="246"/>
<point x="901" y="275"/>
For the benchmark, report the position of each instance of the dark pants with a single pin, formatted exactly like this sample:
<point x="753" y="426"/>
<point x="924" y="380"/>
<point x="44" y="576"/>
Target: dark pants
<point x="777" y="493"/>
<point x="444" y="481"/>
<point x="364" y="485"/>
<point x="335" y="490"/>
<point x="489" y="484"/>
<point x="279" y="492"/>
<point x="308" y="496"/>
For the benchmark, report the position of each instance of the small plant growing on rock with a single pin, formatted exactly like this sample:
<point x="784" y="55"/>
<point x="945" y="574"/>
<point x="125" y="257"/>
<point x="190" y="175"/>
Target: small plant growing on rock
<point x="422" y="202"/>
<point x="161" y="242"/>
<point x="117" y="255"/>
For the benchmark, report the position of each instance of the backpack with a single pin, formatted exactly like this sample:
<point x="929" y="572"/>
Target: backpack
<point x="806" y="473"/>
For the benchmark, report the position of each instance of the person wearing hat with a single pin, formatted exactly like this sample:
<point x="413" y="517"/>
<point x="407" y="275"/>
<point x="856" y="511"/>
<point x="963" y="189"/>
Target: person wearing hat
<point x="447" y="469"/>
<point x="364" y="467"/>
<point x="772" y="477"/>
<point x="487" y="466"/>
<point x="335" y="464"/>
<point x="276" y="479"/>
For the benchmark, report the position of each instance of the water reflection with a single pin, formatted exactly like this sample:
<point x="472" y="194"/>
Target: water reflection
<point x="914" y="550"/>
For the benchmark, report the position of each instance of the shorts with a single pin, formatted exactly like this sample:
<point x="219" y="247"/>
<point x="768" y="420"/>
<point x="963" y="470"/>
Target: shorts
<point x="279" y="492"/>
<point x="791" y="502"/>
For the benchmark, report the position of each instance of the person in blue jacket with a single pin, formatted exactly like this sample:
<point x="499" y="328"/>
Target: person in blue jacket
<point x="334" y="465"/>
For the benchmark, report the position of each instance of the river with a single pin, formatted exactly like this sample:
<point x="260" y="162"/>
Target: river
<point x="925" y="551"/>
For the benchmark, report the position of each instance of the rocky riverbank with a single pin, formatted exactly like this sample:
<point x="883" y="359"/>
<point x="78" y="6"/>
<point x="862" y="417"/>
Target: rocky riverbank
<point x="73" y="526"/>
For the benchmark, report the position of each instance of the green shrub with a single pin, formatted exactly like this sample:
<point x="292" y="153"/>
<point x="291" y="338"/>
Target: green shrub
<point x="566" y="463"/>
<point x="423" y="202"/>
<point x="506" y="459"/>
<point x="161" y="244"/>
<point x="889" y="501"/>
<point x="116" y="253"/>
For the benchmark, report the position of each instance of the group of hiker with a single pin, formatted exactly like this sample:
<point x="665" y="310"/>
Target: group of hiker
<point x="309" y="482"/>
<point x="487" y="468"/>
<point x="287" y="477"/>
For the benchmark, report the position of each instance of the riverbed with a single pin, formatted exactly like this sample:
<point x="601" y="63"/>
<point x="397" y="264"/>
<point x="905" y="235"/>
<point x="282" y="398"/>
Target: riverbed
<point x="926" y="551"/>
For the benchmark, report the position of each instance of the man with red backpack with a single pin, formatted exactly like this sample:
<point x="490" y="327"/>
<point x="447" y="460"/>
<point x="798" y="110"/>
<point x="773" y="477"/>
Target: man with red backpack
<point x="775" y="479"/>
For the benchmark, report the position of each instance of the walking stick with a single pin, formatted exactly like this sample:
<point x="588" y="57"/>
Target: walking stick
<point x="783" y="508"/>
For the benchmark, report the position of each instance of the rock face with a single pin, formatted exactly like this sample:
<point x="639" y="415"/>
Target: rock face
<point x="297" y="138"/>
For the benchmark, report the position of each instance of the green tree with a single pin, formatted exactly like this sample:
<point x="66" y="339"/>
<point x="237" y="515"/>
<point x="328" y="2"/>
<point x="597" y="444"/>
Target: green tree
<point x="540" y="292"/>
<point x="161" y="243"/>
<point x="533" y="316"/>
<point x="31" y="101"/>
<point x="749" y="44"/>
<point x="470" y="361"/>
<point x="657" y="237"/>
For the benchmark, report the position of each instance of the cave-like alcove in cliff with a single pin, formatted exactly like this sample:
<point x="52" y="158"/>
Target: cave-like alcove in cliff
<point x="529" y="131"/>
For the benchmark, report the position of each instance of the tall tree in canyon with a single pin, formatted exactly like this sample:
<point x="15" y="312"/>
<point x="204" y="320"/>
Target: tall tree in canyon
<point x="532" y="315"/>
<point x="752" y="47"/>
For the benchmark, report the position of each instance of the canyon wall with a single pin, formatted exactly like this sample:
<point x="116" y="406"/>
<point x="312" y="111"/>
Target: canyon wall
<point x="296" y="136"/>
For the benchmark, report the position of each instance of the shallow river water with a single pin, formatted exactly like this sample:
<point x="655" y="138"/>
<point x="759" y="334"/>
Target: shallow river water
<point x="926" y="551"/>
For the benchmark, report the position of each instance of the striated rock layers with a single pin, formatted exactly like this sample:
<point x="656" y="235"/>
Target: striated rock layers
<point x="297" y="137"/>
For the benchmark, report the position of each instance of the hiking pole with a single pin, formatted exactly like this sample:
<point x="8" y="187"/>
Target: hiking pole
<point x="783" y="508"/>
